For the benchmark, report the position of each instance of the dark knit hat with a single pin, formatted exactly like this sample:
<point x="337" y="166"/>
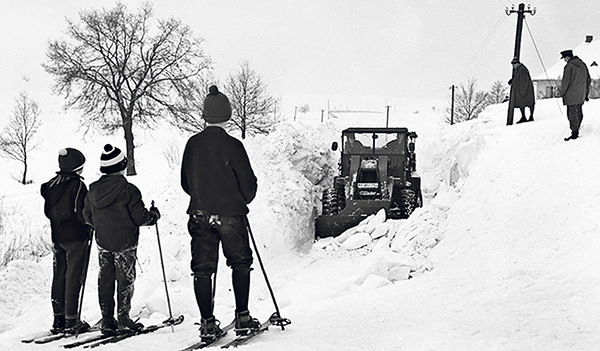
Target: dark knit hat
<point x="566" y="53"/>
<point x="216" y="107"/>
<point x="112" y="160"/>
<point x="70" y="160"/>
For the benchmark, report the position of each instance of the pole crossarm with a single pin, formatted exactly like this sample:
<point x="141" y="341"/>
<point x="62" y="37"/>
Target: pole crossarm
<point x="521" y="11"/>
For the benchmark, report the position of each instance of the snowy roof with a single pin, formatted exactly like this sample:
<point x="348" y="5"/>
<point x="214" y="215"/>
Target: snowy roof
<point x="588" y="51"/>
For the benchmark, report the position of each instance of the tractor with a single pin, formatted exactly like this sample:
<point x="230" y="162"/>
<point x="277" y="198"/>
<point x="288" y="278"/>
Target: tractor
<point x="377" y="170"/>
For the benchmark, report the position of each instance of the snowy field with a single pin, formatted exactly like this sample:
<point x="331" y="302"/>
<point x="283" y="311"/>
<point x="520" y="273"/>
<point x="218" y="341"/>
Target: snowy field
<point x="504" y="254"/>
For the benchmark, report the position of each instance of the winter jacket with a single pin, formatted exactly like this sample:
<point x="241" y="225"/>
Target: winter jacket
<point x="216" y="173"/>
<point x="64" y="200"/>
<point x="115" y="209"/>
<point x="576" y="81"/>
<point x="522" y="87"/>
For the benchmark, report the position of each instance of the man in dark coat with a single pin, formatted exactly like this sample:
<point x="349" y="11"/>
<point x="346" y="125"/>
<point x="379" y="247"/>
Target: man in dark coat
<point x="522" y="90"/>
<point x="115" y="209"/>
<point x="64" y="197"/>
<point x="575" y="89"/>
<point x="216" y="174"/>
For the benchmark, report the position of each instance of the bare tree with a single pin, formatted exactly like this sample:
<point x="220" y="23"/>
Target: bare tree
<point x="498" y="93"/>
<point x="16" y="141"/>
<point x="121" y="70"/>
<point x="468" y="103"/>
<point x="250" y="101"/>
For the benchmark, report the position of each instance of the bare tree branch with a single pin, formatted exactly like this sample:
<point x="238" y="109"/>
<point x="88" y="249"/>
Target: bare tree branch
<point x="121" y="70"/>
<point x="251" y="103"/>
<point x="17" y="140"/>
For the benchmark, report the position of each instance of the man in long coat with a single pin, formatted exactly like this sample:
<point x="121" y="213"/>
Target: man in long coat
<point x="522" y="90"/>
<point x="575" y="89"/>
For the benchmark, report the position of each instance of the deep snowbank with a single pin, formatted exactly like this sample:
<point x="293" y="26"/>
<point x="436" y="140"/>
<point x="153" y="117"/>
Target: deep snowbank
<point x="503" y="255"/>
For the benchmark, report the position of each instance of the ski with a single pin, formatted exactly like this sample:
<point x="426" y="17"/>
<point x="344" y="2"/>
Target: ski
<point x="203" y="344"/>
<point x="87" y="340"/>
<point x="242" y="339"/>
<point x="274" y="320"/>
<point x="49" y="336"/>
<point x="122" y="335"/>
<point x="38" y="336"/>
<point x="60" y="336"/>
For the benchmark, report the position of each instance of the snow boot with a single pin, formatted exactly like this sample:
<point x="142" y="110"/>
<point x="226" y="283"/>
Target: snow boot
<point x="522" y="120"/>
<point x="574" y="135"/>
<point x="126" y="323"/>
<point x="530" y="119"/>
<point x="109" y="325"/>
<point x="58" y="326"/>
<point x="209" y="329"/>
<point x="244" y="323"/>
<point x="74" y="326"/>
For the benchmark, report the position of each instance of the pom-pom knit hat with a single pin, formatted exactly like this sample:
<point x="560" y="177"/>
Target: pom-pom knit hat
<point x="112" y="160"/>
<point x="70" y="160"/>
<point x="216" y="107"/>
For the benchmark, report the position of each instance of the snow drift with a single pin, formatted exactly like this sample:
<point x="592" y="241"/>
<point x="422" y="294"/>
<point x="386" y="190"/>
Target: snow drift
<point x="502" y="256"/>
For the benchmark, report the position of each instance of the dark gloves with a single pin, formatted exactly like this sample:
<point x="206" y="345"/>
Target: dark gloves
<point x="155" y="211"/>
<point x="153" y="216"/>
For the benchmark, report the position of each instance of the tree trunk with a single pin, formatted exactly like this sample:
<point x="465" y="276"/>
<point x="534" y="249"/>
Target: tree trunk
<point x="244" y="127"/>
<point x="24" y="180"/>
<point x="128" y="130"/>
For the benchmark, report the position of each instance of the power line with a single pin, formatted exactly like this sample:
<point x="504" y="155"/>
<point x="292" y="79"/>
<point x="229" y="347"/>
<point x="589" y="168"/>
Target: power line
<point x="489" y="49"/>
<point x="503" y="3"/>
<point x="541" y="61"/>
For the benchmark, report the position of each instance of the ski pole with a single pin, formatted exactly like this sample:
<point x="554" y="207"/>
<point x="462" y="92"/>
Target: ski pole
<point x="84" y="275"/>
<point x="162" y="264"/>
<point x="276" y="317"/>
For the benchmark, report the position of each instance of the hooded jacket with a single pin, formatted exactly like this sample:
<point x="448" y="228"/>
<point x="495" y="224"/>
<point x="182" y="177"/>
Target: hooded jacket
<point x="576" y="81"/>
<point x="216" y="173"/>
<point x="115" y="209"/>
<point x="64" y="201"/>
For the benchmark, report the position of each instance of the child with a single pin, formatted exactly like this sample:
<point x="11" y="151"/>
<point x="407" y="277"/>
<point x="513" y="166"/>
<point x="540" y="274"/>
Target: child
<point x="217" y="174"/>
<point x="115" y="209"/>
<point x="64" y="200"/>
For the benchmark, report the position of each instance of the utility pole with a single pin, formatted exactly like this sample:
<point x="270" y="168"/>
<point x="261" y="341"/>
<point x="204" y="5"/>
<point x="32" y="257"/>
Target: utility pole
<point x="387" y="116"/>
<point x="520" y="17"/>
<point x="322" y="113"/>
<point x="452" y="107"/>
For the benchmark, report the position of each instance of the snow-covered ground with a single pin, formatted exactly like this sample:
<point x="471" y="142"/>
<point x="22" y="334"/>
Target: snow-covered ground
<point x="504" y="254"/>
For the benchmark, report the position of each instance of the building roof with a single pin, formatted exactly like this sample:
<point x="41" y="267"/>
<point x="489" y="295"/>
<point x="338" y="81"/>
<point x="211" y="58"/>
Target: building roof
<point x="588" y="51"/>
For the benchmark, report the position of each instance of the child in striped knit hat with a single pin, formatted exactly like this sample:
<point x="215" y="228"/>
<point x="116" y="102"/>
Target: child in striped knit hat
<point x="114" y="208"/>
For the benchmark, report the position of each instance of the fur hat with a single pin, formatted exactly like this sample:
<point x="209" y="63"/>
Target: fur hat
<point x="70" y="160"/>
<point x="216" y="107"/>
<point x="112" y="160"/>
<point x="566" y="53"/>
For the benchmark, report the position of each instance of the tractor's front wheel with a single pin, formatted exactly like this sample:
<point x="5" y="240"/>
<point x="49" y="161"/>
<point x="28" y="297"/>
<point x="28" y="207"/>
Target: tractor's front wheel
<point x="330" y="202"/>
<point x="404" y="203"/>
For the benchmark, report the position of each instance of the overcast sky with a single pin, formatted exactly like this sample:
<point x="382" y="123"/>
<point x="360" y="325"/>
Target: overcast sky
<point x="386" y="48"/>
